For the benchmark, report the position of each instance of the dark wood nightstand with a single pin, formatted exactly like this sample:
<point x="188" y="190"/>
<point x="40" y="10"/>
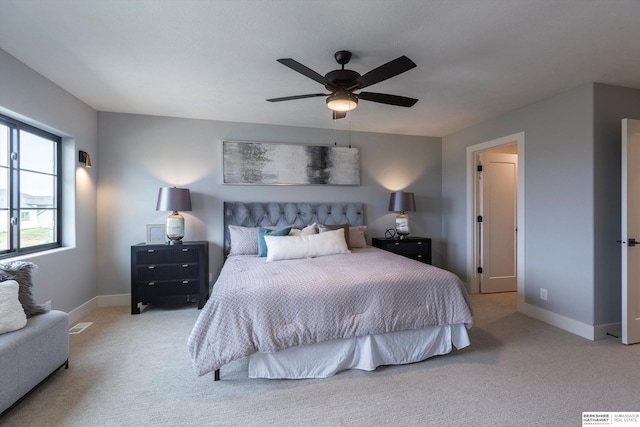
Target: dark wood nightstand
<point x="418" y="248"/>
<point x="169" y="270"/>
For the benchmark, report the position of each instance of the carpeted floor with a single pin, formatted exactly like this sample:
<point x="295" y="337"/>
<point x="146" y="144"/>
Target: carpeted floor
<point x="134" y="370"/>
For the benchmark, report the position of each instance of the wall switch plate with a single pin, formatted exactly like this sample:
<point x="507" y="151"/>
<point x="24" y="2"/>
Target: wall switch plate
<point x="543" y="294"/>
<point x="210" y="277"/>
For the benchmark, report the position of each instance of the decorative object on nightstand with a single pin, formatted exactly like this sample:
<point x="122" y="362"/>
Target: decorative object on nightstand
<point x="418" y="248"/>
<point x="174" y="199"/>
<point x="156" y="234"/>
<point x="402" y="202"/>
<point x="163" y="271"/>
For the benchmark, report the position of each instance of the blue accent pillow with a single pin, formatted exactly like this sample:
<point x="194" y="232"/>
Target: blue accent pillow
<point x="262" y="245"/>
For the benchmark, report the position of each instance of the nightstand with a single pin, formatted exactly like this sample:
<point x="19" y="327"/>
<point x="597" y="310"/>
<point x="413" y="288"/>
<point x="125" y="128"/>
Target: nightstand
<point x="169" y="270"/>
<point x="418" y="248"/>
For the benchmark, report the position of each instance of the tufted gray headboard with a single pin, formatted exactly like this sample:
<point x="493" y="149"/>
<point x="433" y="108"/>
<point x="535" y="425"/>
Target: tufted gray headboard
<point x="253" y="214"/>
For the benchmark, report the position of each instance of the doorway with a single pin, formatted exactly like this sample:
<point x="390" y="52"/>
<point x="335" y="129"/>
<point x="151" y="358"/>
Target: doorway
<point x="496" y="191"/>
<point x="511" y="144"/>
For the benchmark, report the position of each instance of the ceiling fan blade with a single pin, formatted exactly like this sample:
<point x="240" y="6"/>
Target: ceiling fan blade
<point x="305" y="71"/>
<point x="290" y="98"/>
<point x="384" y="72"/>
<point x="383" y="98"/>
<point x="338" y="115"/>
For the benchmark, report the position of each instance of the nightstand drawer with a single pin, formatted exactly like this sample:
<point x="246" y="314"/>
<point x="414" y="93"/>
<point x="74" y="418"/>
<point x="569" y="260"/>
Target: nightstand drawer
<point x="417" y="248"/>
<point x="167" y="255"/>
<point x="408" y="247"/>
<point x="168" y="272"/>
<point x="171" y="288"/>
<point x="417" y="257"/>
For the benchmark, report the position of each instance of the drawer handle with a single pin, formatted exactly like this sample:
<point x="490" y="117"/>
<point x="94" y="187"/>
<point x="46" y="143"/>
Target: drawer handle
<point x="419" y="243"/>
<point x="419" y="256"/>
<point x="151" y="267"/>
<point x="397" y="244"/>
<point x="185" y="282"/>
<point x="185" y="265"/>
<point x="151" y="251"/>
<point x="185" y="250"/>
<point x="152" y="283"/>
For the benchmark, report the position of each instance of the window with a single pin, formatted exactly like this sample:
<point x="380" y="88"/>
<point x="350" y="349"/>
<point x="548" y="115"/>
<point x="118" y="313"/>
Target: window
<point x="29" y="188"/>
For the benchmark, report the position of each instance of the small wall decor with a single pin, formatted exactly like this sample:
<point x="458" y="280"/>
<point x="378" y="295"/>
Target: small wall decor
<point x="156" y="234"/>
<point x="262" y="163"/>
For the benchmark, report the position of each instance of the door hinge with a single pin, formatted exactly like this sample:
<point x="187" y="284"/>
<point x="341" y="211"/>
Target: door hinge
<point x="479" y="218"/>
<point x="479" y="269"/>
<point x="479" y="168"/>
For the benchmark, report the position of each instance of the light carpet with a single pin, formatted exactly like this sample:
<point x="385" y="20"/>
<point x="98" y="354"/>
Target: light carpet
<point x="135" y="370"/>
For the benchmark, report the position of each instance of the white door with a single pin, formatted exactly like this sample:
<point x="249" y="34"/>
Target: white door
<point x="498" y="184"/>
<point x="630" y="231"/>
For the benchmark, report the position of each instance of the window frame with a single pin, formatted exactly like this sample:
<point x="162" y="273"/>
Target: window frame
<point x="13" y="191"/>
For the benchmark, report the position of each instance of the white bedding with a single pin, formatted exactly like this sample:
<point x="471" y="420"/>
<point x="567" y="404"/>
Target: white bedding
<point x="327" y="358"/>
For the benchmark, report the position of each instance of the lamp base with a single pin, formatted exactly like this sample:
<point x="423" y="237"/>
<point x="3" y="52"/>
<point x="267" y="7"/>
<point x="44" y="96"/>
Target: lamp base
<point x="402" y="225"/>
<point x="175" y="228"/>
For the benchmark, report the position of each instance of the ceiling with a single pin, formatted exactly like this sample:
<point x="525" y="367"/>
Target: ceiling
<point x="216" y="59"/>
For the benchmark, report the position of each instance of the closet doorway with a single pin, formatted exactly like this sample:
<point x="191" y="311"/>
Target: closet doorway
<point x="495" y="208"/>
<point x="496" y="219"/>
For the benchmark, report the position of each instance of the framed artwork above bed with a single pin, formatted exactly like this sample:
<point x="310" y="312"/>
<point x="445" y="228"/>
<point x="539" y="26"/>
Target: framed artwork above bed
<point x="260" y="163"/>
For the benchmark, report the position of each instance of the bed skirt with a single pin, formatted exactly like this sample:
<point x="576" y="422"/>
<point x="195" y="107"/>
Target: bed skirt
<point x="366" y="353"/>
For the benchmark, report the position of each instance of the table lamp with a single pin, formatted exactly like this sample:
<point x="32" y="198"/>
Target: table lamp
<point x="174" y="199"/>
<point x="402" y="202"/>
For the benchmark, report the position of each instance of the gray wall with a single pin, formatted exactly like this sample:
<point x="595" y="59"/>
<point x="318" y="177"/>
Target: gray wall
<point x="612" y="104"/>
<point x="572" y="198"/>
<point x="138" y="154"/>
<point x="559" y="244"/>
<point x="65" y="276"/>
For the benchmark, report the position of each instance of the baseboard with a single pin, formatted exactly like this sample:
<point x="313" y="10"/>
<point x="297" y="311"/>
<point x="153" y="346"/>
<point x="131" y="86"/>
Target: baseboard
<point x="611" y="330"/>
<point x="79" y="312"/>
<point x="559" y="321"/>
<point x="114" y="300"/>
<point x="100" y="301"/>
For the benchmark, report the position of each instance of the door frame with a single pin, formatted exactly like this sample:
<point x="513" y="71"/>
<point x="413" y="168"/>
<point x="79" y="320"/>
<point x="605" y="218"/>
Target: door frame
<point x="472" y="238"/>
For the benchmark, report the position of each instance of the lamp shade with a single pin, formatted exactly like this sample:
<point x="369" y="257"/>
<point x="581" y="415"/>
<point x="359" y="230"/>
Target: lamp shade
<point x="174" y="199"/>
<point x="402" y="202"/>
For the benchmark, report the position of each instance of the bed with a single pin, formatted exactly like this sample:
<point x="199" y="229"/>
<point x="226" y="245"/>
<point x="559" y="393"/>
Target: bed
<point x="343" y="305"/>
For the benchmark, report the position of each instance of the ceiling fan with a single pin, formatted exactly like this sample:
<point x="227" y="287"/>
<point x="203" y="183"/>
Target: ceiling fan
<point x="342" y="84"/>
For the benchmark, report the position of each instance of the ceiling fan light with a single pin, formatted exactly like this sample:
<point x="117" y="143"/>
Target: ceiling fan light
<point x="342" y="102"/>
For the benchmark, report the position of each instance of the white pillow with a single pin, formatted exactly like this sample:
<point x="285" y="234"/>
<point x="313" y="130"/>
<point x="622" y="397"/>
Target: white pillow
<point x="12" y="315"/>
<point x="306" y="246"/>
<point x="308" y="230"/>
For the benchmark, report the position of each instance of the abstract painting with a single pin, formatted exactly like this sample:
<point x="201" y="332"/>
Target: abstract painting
<point x="261" y="163"/>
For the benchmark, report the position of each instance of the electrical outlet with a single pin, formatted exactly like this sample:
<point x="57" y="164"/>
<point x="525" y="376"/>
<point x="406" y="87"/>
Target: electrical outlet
<point x="543" y="294"/>
<point x="47" y="305"/>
